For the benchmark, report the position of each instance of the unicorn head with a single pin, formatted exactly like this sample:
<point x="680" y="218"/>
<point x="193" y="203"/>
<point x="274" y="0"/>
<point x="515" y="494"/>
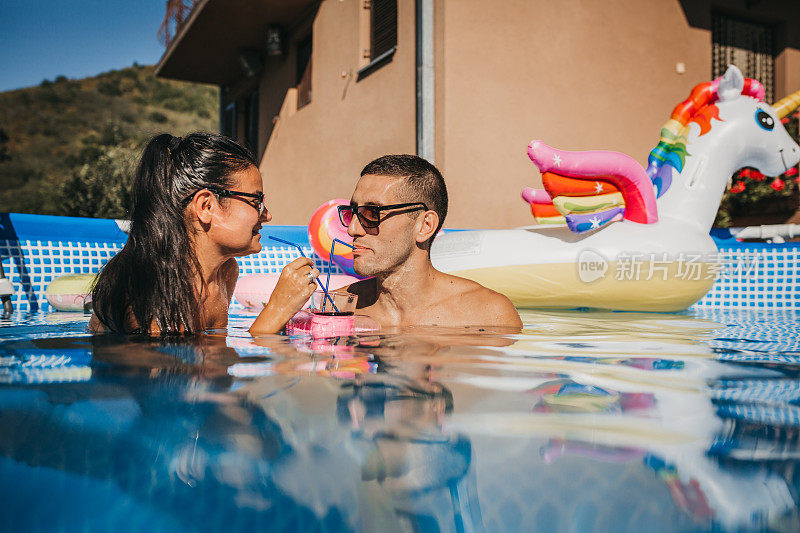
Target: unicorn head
<point x="754" y="134"/>
<point x="723" y="126"/>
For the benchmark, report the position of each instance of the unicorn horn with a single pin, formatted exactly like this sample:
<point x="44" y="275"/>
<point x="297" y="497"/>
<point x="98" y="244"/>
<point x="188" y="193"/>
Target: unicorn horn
<point x="786" y="105"/>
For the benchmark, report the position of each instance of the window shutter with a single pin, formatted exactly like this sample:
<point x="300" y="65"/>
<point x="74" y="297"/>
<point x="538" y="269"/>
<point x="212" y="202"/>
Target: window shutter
<point x="747" y="45"/>
<point x="303" y="71"/>
<point x="384" y="26"/>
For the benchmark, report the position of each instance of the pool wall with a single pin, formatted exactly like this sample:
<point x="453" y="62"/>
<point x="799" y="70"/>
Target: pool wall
<point x="36" y="249"/>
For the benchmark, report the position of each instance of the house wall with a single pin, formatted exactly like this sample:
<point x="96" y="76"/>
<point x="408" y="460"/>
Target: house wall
<point x="316" y="153"/>
<point x="577" y="74"/>
<point x="787" y="72"/>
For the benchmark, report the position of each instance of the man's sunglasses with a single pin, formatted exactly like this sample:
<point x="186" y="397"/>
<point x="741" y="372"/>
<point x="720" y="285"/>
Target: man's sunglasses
<point x="370" y="215"/>
<point x="227" y="193"/>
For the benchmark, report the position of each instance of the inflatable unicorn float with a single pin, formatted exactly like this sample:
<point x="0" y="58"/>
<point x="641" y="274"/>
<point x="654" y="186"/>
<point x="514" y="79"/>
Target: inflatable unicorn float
<point x="613" y="235"/>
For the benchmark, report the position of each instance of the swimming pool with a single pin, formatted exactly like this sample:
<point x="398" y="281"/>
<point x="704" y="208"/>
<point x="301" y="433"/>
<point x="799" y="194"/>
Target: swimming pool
<point x="36" y="249"/>
<point x="586" y="421"/>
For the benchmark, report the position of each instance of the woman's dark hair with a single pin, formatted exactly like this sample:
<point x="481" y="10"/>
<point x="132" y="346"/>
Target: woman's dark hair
<point x="152" y="279"/>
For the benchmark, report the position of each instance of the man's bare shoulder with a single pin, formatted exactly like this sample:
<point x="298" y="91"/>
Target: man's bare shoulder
<point x="486" y="306"/>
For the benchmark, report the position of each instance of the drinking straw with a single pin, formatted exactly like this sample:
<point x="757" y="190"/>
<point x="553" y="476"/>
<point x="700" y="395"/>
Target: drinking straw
<point x="330" y="259"/>
<point x="321" y="286"/>
<point x="330" y="266"/>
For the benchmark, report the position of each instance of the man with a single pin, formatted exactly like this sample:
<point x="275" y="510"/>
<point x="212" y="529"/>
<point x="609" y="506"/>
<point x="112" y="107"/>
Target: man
<point x="397" y="209"/>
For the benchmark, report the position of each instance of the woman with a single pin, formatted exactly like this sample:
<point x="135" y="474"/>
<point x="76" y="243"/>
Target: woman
<point x="197" y="204"/>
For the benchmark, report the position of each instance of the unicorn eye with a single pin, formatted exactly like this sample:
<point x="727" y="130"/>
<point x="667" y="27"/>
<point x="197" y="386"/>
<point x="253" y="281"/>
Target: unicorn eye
<point x="765" y="120"/>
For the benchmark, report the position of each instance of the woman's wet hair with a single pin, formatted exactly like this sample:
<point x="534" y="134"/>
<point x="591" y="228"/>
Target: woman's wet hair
<point x="151" y="281"/>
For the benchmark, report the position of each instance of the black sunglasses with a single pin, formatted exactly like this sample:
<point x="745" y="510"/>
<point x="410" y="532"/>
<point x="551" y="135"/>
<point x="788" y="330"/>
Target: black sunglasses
<point x="370" y="215"/>
<point x="227" y="193"/>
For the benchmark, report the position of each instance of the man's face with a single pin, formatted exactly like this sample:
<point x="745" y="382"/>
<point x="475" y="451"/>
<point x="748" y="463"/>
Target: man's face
<point x="382" y="249"/>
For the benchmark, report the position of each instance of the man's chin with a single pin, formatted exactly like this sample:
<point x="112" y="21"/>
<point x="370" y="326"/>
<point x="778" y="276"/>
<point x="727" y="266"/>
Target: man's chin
<point x="362" y="269"/>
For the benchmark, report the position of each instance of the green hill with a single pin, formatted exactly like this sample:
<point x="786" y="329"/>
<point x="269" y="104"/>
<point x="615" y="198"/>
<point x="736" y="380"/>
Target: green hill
<point x="68" y="147"/>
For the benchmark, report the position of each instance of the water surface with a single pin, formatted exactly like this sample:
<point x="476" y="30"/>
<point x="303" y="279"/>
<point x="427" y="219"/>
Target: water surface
<point x="586" y="421"/>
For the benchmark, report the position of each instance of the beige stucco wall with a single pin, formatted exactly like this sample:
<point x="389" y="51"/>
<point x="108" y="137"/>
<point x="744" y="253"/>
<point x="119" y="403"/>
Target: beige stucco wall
<point x="316" y="153"/>
<point x="787" y="72"/>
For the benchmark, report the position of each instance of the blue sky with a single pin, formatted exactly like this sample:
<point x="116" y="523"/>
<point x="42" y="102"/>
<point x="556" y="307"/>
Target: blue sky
<point x="41" y="39"/>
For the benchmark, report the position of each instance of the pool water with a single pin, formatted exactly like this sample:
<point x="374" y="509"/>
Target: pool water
<point x="586" y="421"/>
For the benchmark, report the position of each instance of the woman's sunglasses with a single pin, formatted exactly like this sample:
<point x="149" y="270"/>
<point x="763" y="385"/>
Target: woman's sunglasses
<point x="370" y="215"/>
<point x="227" y="193"/>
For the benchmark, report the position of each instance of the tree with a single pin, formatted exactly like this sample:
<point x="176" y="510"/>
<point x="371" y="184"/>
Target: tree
<point x="100" y="188"/>
<point x="4" y="155"/>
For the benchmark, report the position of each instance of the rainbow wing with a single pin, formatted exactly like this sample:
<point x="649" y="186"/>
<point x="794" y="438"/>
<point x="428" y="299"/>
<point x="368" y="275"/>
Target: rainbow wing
<point x="542" y="207"/>
<point x="593" y="189"/>
<point x="557" y="185"/>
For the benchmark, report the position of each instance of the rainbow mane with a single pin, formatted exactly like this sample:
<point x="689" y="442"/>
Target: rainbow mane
<point x="670" y="152"/>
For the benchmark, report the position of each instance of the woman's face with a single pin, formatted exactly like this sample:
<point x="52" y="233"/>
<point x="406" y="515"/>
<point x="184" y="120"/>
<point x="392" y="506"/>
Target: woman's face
<point x="238" y="230"/>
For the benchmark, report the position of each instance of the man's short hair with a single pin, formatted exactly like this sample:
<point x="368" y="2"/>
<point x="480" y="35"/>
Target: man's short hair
<point x="423" y="181"/>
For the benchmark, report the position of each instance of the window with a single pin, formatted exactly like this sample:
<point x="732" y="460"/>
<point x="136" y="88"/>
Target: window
<point x="251" y="122"/>
<point x="303" y="72"/>
<point x="228" y="123"/>
<point x="378" y="28"/>
<point x="747" y="45"/>
<point x="383" y="27"/>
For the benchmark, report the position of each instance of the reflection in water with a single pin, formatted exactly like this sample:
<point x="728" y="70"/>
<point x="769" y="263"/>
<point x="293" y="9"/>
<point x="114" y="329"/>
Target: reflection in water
<point x="415" y="467"/>
<point x="585" y="421"/>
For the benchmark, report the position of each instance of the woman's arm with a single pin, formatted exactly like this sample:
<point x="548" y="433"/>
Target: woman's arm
<point x="293" y="289"/>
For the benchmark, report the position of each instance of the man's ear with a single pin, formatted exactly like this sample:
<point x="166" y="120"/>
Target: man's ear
<point x="426" y="226"/>
<point x="203" y="203"/>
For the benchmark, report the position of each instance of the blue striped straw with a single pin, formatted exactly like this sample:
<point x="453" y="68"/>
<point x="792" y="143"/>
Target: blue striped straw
<point x="321" y="286"/>
<point x="330" y="259"/>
